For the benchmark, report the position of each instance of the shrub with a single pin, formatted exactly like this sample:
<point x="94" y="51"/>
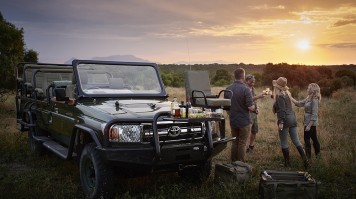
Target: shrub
<point x="346" y="81"/>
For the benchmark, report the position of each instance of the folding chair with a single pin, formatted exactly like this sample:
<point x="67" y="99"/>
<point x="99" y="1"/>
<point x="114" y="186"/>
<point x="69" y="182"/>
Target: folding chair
<point x="197" y="86"/>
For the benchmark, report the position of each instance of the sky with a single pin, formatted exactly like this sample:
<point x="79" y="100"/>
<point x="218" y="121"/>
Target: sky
<point x="310" y="32"/>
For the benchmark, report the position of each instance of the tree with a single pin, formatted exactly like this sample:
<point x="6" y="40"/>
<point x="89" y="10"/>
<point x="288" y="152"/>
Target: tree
<point x="12" y="51"/>
<point x="222" y="78"/>
<point x="31" y="56"/>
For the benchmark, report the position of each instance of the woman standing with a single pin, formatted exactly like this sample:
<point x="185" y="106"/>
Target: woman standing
<point x="287" y="123"/>
<point x="311" y="107"/>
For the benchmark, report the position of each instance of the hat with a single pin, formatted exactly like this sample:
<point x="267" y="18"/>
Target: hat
<point x="250" y="77"/>
<point x="281" y="83"/>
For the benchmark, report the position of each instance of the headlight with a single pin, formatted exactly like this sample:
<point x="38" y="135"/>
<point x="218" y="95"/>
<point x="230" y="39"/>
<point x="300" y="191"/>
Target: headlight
<point x="125" y="133"/>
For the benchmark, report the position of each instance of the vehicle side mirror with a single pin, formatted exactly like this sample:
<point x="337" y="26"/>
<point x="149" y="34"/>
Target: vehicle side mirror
<point x="60" y="94"/>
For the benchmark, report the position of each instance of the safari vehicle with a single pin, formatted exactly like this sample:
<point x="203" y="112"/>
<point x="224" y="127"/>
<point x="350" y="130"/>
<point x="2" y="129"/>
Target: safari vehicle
<point x="115" y="116"/>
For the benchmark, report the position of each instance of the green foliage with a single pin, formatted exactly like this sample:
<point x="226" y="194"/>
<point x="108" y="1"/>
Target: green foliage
<point x="172" y="79"/>
<point x="222" y="77"/>
<point x="258" y="78"/>
<point x="297" y="75"/>
<point x="12" y="51"/>
<point x="347" y="81"/>
<point x="341" y="73"/>
<point x="31" y="56"/>
<point x="301" y="76"/>
<point x="295" y="91"/>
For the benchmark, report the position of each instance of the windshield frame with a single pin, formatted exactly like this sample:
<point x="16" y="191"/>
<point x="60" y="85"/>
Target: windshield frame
<point x="81" y="93"/>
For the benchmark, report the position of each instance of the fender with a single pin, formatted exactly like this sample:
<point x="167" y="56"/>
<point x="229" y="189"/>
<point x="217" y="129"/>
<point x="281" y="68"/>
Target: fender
<point x="91" y="132"/>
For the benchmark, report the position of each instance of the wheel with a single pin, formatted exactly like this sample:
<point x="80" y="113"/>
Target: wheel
<point x="33" y="130"/>
<point x="95" y="174"/>
<point x="199" y="173"/>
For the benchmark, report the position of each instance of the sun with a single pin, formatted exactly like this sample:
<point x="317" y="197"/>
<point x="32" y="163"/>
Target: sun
<point x="303" y="44"/>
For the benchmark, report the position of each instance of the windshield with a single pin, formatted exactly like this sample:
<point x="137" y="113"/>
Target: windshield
<point x="118" y="79"/>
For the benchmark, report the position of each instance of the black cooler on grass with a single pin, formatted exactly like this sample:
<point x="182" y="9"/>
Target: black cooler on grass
<point x="287" y="184"/>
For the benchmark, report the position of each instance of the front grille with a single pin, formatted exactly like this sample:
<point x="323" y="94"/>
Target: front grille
<point x="175" y="132"/>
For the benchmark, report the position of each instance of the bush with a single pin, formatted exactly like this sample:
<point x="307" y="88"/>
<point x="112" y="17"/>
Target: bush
<point x="295" y="92"/>
<point x="326" y="91"/>
<point x="346" y="81"/>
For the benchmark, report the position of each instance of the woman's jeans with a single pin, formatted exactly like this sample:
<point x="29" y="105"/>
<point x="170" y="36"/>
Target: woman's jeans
<point x="313" y="135"/>
<point x="283" y="137"/>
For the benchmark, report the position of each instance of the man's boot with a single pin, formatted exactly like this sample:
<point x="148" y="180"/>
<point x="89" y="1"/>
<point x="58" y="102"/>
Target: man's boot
<point x="285" y="152"/>
<point x="304" y="157"/>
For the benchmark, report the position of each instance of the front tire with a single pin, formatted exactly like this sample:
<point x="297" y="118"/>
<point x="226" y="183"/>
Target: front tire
<point x="95" y="174"/>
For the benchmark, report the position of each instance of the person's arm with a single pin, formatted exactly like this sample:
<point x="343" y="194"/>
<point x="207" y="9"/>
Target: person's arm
<point x="293" y="100"/>
<point x="281" y="112"/>
<point x="249" y="100"/>
<point x="260" y="96"/>
<point x="299" y="103"/>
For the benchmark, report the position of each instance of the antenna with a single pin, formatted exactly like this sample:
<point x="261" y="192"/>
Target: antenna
<point x="186" y="41"/>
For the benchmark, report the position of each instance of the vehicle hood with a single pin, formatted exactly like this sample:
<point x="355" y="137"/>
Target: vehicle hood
<point x="132" y="108"/>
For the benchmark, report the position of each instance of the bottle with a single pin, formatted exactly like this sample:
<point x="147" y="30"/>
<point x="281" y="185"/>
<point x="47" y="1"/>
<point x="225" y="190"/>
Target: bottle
<point x="176" y="109"/>
<point x="188" y="107"/>
<point x="173" y="104"/>
<point x="182" y="110"/>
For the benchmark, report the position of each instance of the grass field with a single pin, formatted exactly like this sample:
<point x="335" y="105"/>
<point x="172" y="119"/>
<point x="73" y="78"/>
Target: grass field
<point x="24" y="175"/>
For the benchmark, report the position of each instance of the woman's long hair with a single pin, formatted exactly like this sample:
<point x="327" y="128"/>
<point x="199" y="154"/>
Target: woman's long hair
<point x="277" y="91"/>
<point x="314" y="91"/>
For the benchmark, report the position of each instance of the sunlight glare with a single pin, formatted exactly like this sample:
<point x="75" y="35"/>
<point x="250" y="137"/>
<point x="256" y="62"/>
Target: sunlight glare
<point x="303" y="44"/>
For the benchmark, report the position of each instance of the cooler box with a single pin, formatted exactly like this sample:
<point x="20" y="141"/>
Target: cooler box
<point x="287" y="184"/>
<point x="232" y="172"/>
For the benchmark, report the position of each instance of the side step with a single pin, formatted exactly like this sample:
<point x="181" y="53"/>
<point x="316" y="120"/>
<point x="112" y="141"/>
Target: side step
<point x="58" y="149"/>
<point x="55" y="147"/>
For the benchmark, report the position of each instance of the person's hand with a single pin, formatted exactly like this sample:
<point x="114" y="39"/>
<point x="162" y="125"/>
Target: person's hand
<point x="307" y="128"/>
<point x="280" y="126"/>
<point x="262" y="95"/>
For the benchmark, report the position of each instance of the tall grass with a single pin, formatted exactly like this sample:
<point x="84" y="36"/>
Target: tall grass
<point x="24" y="175"/>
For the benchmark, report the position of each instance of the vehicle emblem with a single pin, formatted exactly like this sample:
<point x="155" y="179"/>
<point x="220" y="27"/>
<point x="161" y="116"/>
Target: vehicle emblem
<point x="174" y="131"/>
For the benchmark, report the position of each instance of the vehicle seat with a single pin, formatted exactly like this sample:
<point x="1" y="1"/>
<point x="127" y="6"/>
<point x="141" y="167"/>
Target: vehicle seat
<point x="197" y="85"/>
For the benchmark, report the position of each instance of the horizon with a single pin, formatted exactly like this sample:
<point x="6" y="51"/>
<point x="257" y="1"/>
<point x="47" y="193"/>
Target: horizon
<point x="169" y="32"/>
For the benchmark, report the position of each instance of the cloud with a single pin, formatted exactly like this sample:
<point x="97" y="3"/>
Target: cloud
<point x="344" y="22"/>
<point x="267" y="7"/>
<point x="339" y="45"/>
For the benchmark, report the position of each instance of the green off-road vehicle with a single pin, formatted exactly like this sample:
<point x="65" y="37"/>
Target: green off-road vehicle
<point x="113" y="117"/>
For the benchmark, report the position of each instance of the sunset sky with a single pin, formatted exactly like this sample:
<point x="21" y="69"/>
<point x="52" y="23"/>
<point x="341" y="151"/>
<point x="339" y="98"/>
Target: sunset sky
<point x="312" y="32"/>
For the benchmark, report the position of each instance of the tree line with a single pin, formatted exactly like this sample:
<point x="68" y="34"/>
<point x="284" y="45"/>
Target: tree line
<point x="329" y="78"/>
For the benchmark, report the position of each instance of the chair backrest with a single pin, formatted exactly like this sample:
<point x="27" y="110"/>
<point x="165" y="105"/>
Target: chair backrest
<point x="116" y="83"/>
<point x="197" y="80"/>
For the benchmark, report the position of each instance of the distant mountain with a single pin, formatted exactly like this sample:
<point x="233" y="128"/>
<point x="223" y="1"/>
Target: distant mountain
<point x="124" y="58"/>
<point x="127" y="58"/>
<point x="202" y="62"/>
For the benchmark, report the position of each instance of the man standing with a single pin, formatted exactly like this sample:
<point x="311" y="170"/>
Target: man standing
<point x="250" y="82"/>
<point x="240" y="120"/>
